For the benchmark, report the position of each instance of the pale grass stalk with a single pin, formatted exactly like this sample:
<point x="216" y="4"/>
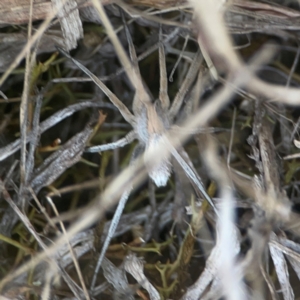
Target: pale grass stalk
<point x="229" y="272"/>
<point x="217" y="42"/>
<point x="75" y="261"/>
<point x="131" y="72"/>
<point x="46" y="292"/>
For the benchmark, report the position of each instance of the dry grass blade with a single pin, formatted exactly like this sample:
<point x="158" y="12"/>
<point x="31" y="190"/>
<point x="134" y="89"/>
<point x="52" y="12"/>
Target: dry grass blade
<point x="118" y="279"/>
<point x="269" y="283"/>
<point x="70" y="22"/>
<point x="35" y="139"/>
<point x="127" y="115"/>
<point x="134" y="266"/>
<point x="24" y="108"/>
<point x="31" y="229"/>
<point x="282" y="273"/>
<point x="207" y="277"/>
<point x="295" y="248"/>
<point x="69" y="154"/>
<point x="48" y="123"/>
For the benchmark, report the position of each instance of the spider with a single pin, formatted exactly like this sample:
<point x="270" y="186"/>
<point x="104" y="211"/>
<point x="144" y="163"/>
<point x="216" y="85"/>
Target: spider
<point x="151" y="119"/>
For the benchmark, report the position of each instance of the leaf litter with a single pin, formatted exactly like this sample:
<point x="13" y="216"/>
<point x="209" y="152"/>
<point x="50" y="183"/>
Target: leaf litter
<point x="218" y="214"/>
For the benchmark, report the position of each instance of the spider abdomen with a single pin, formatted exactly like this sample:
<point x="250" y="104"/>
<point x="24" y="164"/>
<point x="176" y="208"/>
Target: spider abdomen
<point x="158" y="164"/>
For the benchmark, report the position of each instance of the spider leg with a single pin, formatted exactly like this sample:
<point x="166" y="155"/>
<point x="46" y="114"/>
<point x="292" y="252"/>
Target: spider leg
<point x="191" y="75"/>
<point x="179" y="57"/>
<point x="111" y="231"/>
<point x="127" y="115"/>
<point x="131" y="136"/>
<point x="198" y="130"/>
<point x="141" y="95"/>
<point x="190" y="171"/>
<point x="116" y="218"/>
<point x="163" y="90"/>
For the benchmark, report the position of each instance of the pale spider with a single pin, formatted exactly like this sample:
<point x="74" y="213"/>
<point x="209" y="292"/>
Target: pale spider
<point x="150" y="121"/>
